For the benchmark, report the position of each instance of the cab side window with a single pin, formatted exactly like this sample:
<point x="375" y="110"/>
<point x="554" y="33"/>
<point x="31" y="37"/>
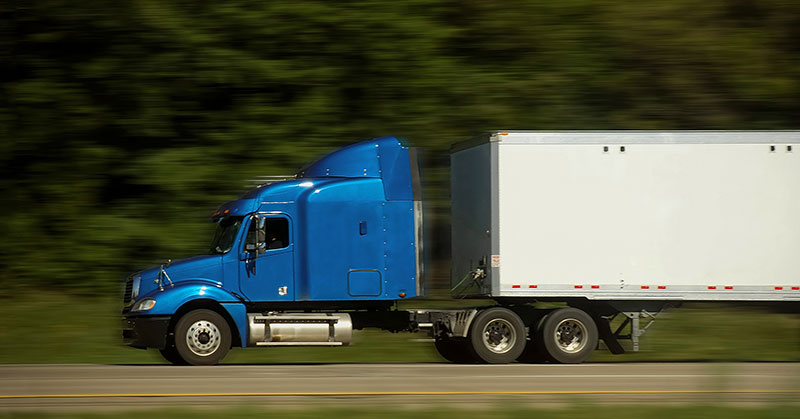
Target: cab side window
<point x="277" y="233"/>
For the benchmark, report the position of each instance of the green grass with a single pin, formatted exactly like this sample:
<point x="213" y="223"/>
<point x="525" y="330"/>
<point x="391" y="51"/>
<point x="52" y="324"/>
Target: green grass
<point x="56" y="328"/>
<point x="705" y="332"/>
<point x="416" y="412"/>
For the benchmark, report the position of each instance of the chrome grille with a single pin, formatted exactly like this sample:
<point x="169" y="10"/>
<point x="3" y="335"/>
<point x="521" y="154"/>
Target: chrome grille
<point x="128" y="291"/>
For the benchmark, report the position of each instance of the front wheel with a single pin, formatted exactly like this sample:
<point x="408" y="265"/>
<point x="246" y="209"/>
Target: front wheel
<point x="497" y="335"/>
<point x="170" y="353"/>
<point x="202" y="337"/>
<point x="568" y="336"/>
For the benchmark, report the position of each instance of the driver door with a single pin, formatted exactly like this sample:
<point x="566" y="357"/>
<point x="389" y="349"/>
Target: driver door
<point x="266" y="263"/>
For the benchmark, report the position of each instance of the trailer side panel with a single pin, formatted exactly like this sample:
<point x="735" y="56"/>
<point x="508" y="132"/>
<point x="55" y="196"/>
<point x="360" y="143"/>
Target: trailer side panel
<point x="638" y="216"/>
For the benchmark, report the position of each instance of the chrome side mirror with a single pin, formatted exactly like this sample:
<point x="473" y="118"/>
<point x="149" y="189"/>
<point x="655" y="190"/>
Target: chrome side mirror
<point x="252" y="247"/>
<point x="260" y="245"/>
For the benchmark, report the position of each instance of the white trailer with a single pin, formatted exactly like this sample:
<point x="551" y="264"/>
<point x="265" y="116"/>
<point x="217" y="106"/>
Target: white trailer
<point x="627" y="221"/>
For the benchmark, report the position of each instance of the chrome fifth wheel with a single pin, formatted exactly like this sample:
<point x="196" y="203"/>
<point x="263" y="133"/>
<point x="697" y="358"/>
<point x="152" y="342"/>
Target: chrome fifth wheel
<point x="202" y="337"/>
<point x="568" y="336"/>
<point x="497" y="335"/>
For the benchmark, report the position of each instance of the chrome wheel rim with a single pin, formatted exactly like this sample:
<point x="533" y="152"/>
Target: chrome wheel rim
<point x="570" y="335"/>
<point x="203" y="338"/>
<point x="499" y="336"/>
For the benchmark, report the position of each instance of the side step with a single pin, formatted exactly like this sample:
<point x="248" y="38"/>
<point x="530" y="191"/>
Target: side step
<point x="299" y="344"/>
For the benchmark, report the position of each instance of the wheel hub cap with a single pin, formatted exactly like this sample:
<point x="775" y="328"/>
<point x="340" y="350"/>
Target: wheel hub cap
<point x="203" y="338"/>
<point x="499" y="336"/>
<point x="570" y="335"/>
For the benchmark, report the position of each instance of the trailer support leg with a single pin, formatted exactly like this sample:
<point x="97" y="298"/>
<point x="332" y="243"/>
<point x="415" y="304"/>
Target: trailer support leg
<point x="635" y="333"/>
<point x="631" y="324"/>
<point x="609" y="337"/>
<point x="634" y="319"/>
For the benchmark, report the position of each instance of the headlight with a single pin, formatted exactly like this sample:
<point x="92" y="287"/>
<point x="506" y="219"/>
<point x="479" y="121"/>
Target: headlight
<point x="144" y="305"/>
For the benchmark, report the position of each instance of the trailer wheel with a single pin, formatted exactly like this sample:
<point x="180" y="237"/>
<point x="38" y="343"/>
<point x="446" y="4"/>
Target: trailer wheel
<point x="568" y="336"/>
<point x="202" y="337"/>
<point x="456" y="350"/>
<point x="532" y="354"/>
<point x="497" y="335"/>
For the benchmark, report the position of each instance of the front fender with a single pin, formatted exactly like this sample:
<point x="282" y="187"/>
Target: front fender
<point x="173" y="297"/>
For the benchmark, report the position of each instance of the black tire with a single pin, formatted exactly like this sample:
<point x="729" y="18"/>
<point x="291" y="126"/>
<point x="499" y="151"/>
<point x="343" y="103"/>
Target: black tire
<point x="532" y="354"/>
<point x="567" y="336"/>
<point x="497" y="336"/>
<point x="456" y="350"/>
<point x="171" y="355"/>
<point x="202" y="337"/>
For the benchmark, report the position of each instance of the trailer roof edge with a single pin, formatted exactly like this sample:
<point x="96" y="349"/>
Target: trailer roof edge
<point x="565" y="137"/>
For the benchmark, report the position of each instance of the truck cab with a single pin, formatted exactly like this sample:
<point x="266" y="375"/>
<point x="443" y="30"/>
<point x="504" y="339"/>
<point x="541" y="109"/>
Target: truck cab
<point x="345" y="232"/>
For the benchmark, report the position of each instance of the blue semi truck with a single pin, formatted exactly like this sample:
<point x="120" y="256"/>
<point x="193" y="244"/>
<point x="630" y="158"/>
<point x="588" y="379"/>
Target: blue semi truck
<point x="305" y="261"/>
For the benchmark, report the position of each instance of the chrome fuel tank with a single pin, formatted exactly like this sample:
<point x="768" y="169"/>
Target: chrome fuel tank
<point x="299" y="329"/>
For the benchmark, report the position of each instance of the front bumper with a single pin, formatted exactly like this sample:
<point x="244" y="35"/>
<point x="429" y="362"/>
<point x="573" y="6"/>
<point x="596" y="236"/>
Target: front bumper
<point x="145" y="331"/>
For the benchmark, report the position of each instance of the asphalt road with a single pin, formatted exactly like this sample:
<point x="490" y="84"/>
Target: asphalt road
<point x="129" y="386"/>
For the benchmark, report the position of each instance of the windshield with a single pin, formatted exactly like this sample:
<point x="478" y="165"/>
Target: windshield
<point x="226" y="234"/>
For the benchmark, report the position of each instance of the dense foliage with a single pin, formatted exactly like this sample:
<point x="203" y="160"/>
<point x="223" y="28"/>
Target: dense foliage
<point x="123" y="124"/>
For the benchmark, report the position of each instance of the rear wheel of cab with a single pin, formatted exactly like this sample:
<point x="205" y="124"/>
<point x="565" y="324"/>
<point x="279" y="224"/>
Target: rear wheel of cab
<point x="456" y="350"/>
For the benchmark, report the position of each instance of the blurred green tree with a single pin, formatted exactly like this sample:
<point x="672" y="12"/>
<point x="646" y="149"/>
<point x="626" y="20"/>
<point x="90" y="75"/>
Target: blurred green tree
<point x="123" y="124"/>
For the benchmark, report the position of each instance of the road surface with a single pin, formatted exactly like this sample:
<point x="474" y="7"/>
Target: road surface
<point x="26" y="387"/>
